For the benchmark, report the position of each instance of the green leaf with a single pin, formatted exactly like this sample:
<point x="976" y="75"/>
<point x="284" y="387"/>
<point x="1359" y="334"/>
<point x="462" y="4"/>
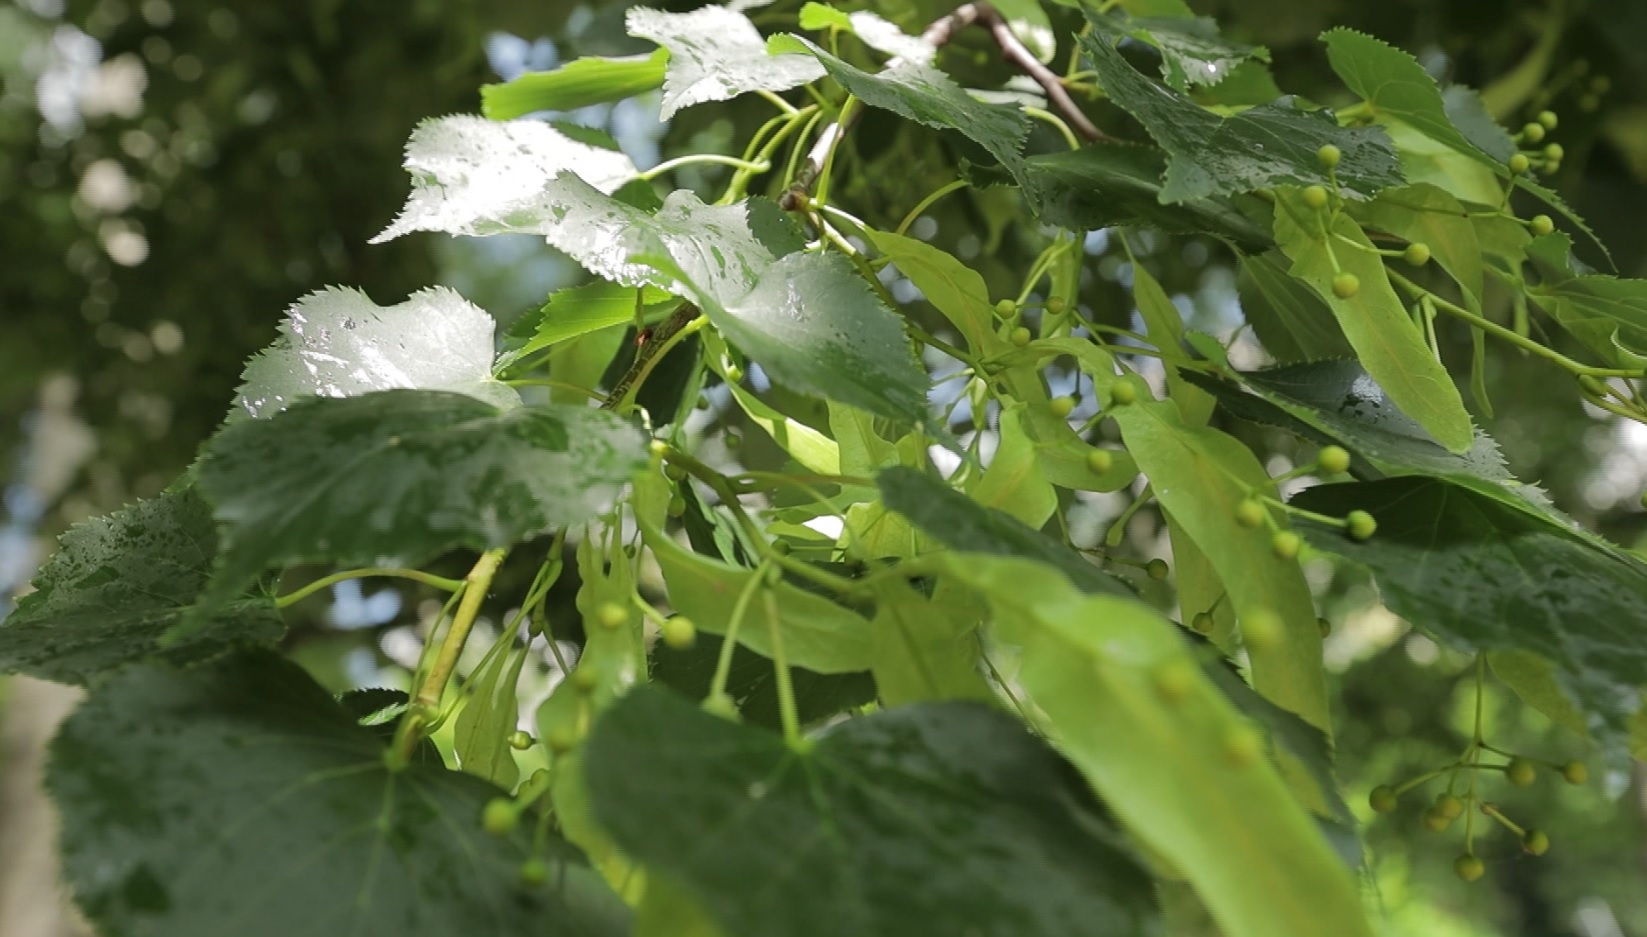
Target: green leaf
<point x="961" y="523"/>
<point x="400" y="476"/>
<point x="579" y="310"/>
<point x="1124" y="698"/>
<point x="1269" y="145"/>
<point x="577" y="84"/>
<point x="928" y="647"/>
<point x="1106" y="184"/>
<point x="922" y="93"/>
<point x="953" y="288"/>
<point x="1293" y="322"/>
<point x="116" y="584"/>
<point x="812" y="449"/>
<point x="1481" y="575"/>
<point x="817" y="634"/>
<point x="1607" y="314"/>
<point x="841" y="837"/>
<point x="1389" y="346"/>
<point x="1551" y="198"/>
<point x="475" y="176"/>
<point x="1192" y="51"/>
<point x="1425" y="214"/>
<point x="1165" y="327"/>
<point x="338" y="343"/>
<point x="1469" y="116"/>
<point x="238" y="798"/>
<point x="1396" y="87"/>
<point x="1013" y="482"/>
<point x="489" y="714"/>
<point x="814" y="324"/>
<point x="716" y="54"/>
<point x="752" y="682"/>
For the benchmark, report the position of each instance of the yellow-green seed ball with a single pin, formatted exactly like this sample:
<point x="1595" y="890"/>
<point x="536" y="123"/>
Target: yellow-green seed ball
<point x="1550" y="168"/>
<point x="1533" y="132"/>
<point x="1548" y="119"/>
<point x="1286" y="544"/>
<point x="1021" y="336"/>
<point x="499" y="816"/>
<point x="1202" y="623"/>
<point x="534" y="871"/>
<point x="1062" y="406"/>
<point x="1436" y="822"/>
<point x="1261" y="630"/>
<point x="1361" y="525"/>
<point x="1315" y="196"/>
<point x="1469" y="868"/>
<point x="1346" y="285"/>
<point x="721" y="705"/>
<point x="1099" y="461"/>
<point x="1056" y="305"/>
<point x="1575" y="772"/>
<point x="679" y="632"/>
<point x="1006" y="308"/>
<point x="732" y="440"/>
<point x="1157" y="569"/>
<point x="1249" y="513"/>
<point x="1333" y="459"/>
<point x="1520" y="772"/>
<point x="1329" y="156"/>
<point x="1536" y="842"/>
<point x="1449" y="805"/>
<point x="520" y="740"/>
<point x="1541" y="225"/>
<point x="1417" y="254"/>
<point x="611" y="615"/>
<point x="1324" y="625"/>
<point x="734" y="374"/>
<point x="1123" y="393"/>
<point x="674" y="472"/>
<point x="676" y="506"/>
<point x="1519" y="163"/>
<point x="1555" y="152"/>
<point x="1383" y="799"/>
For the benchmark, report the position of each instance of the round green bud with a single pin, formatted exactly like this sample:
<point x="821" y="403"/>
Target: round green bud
<point x="1548" y="119"/>
<point x="1589" y="103"/>
<point x="1576" y="772"/>
<point x="1062" y="406"/>
<point x="1202" y="623"/>
<point x="1329" y="156"/>
<point x="562" y="739"/>
<point x="1541" y="225"/>
<point x="782" y="548"/>
<point x="676" y="506"/>
<point x="1175" y="679"/>
<point x="674" y="472"/>
<point x="611" y="615"/>
<point x="679" y="632"/>
<point x="1056" y="305"/>
<point x="1250" y="513"/>
<point x="1520" y="772"/>
<point x="1020" y="336"/>
<point x="1417" y="254"/>
<point x="1536" y="842"/>
<point x="584" y="679"/>
<point x="499" y="816"/>
<point x="1099" y="461"/>
<point x="721" y="705"/>
<point x="1550" y="168"/>
<point x="1361" y="525"/>
<point x="732" y="440"/>
<point x="1533" y="132"/>
<point x="1592" y="386"/>
<point x="1315" y="196"/>
<point x="1346" y="285"/>
<point x="1243" y="746"/>
<point x="1324" y="625"/>
<point x="702" y="403"/>
<point x="1122" y="393"/>
<point x="734" y="373"/>
<point x="1157" y="569"/>
<point x="1383" y="799"/>
<point x="534" y="871"/>
<point x="1520" y="163"/>
<point x="1448" y="805"/>
<point x="1436" y="822"/>
<point x="1469" y="868"/>
<point x="1006" y="308"/>
<point x="1261" y="630"/>
<point x="1333" y="459"/>
<point x="520" y="740"/>
<point x="1286" y="544"/>
<point x="1555" y="152"/>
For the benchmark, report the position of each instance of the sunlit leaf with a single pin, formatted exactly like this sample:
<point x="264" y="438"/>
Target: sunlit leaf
<point x="579" y="83"/>
<point x="716" y="54"/>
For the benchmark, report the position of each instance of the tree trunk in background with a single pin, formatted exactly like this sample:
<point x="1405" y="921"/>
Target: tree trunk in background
<point x="32" y="901"/>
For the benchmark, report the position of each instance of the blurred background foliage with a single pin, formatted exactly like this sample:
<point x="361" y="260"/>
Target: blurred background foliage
<point x="174" y="175"/>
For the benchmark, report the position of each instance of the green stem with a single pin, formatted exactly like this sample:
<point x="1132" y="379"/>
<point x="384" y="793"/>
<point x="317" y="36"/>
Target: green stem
<point x="729" y="642"/>
<point x="926" y="203"/>
<point x="693" y="158"/>
<point x="298" y="595"/>
<point x="787" y="712"/>
<point x="1057" y="122"/>
<point x="476" y="584"/>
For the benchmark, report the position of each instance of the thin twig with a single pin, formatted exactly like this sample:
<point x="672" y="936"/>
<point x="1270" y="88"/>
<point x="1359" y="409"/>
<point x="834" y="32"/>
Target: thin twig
<point x="1019" y="55"/>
